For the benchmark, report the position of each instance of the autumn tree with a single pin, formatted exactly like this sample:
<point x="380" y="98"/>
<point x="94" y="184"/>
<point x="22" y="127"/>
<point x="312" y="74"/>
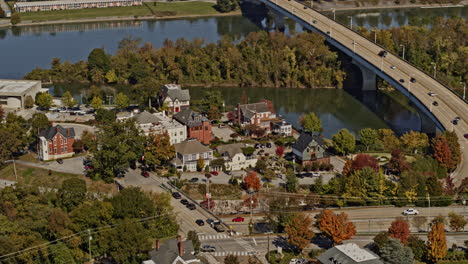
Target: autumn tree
<point x="454" y="145"/>
<point x="344" y="142"/>
<point x="252" y="181"/>
<point x="158" y="150"/>
<point x="200" y="163"/>
<point x="335" y="226"/>
<point x="399" y="229"/>
<point x="299" y="232"/>
<point x="368" y="137"/>
<point x="398" y="162"/>
<point x="68" y="100"/>
<point x="388" y="138"/>
<point x="415" y="141"/>
<point x="279" y="151"/>
<point x="311" y="122"/>
<point x="214" y="113"/>
<point x="442" y="152"/>
<point x="437" y="244"/>
<point x="457" y="222"/>
<point x="359" y="162"/>
<point x="96" y="102"/>
<point x="122" y="101"/>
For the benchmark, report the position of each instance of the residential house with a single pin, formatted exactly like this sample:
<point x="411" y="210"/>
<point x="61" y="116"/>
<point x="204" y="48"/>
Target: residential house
<point x="188" y="153"/>
<point x="55" y="143"/>
<point x="174" y="98"/>
<point x="158" y="123"/>
<point x="259" y="114"/>
<point x="234" y="157"/>
<point x="281" y="127"/>
<point x="310" y="148"/>
<point x="348" y="254"/>
<point x="173" y="251"/>
<point x="198" y="126"/>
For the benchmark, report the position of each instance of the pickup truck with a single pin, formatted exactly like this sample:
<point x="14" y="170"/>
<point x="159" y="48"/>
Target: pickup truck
<point x="218" y="227"/>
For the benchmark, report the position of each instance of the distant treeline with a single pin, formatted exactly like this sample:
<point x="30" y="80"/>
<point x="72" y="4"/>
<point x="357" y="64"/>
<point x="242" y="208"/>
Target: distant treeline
<point x="445" y="44"/>
<point x="260" y="59"/>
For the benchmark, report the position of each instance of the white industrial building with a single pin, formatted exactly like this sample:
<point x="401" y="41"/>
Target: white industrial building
<point x="35" y="6"/>
<point x="14" y="92"/>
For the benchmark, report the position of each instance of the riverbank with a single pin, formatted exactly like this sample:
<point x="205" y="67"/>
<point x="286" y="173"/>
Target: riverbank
<point x="148" y="11"/>
<point x="357" y="5"/>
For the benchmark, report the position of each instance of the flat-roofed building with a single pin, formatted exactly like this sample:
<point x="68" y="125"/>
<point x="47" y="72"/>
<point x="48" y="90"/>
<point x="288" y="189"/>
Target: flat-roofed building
<point x="71" y="4"/>
<point x="14" y="92"/>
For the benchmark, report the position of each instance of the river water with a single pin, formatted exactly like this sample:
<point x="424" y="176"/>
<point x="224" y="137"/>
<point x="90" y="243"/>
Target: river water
<point x="24" y="48"/>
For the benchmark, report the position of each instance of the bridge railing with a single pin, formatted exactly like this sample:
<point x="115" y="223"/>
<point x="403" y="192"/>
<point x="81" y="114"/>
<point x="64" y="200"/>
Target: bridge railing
<point x="382" y="47"/>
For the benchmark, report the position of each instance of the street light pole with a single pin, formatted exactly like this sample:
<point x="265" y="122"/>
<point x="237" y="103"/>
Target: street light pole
<point x="354" y="46"/>
<point x="403" y="50"/>
<point x="89" y="246"/>
<point x="333" y="11"/>
<point x="435" y="69"/>
<point x="375" y="35"/>
<point x="464" y="89"/>
<point x="350" y="22"/>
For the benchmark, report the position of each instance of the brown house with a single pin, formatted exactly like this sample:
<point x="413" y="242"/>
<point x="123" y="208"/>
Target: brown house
<point x="198" y="126"/>
<point x="56" y="142"/>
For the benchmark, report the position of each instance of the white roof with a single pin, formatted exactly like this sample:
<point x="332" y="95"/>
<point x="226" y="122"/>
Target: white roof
<point x="172" y="86"/>
<point x="65" y="2"/>
<point x="355" y="252"/>
<point x="16" y="87"/>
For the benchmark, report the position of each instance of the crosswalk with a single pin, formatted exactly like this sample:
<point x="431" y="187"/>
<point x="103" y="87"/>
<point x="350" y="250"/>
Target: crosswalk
<point x="244" y="244"/>
<point x="213" y="237"/>
<point x="235" y="253"/>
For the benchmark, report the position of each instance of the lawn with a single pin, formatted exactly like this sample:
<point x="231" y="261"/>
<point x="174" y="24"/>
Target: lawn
<point x="40" y="177"/>
<point x="147" y="9"/>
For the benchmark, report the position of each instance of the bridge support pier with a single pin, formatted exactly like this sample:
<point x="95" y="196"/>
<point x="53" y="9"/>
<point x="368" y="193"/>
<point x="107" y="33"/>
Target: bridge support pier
<point x="369" y="79"/>
<point x="279" y="19"/>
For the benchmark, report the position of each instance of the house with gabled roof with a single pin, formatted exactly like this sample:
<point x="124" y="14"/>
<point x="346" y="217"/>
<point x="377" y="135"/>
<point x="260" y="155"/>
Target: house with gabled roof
<point x="260" y="114"/>
<point x="55" y="143"/>
<point x="348" y="254"/>
<point x="174" y="98"/>
<point x="310" y="148"/>
<point x="189" y="152"/>
<point x="173" y="251"/>
<point x="198" y="126"/>
<point x="234" y="158"/>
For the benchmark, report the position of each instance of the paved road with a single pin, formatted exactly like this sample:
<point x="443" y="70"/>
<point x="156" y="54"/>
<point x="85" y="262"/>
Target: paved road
<point x="450" y="105"/>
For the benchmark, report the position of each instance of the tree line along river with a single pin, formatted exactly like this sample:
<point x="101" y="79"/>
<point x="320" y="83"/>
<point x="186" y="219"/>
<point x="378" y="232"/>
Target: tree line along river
<point x="24" y="48"/>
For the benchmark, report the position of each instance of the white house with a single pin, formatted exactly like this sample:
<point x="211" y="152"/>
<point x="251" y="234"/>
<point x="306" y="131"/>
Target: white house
<point x="281" y="127"/>
<point x="188" y="153"/>
<point x="174" y="98"/>
<point x="235" y="158"/>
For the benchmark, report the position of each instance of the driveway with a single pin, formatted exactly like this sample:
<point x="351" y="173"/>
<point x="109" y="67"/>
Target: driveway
<point x="71" y="165"/>
<point x="222" y="133"/>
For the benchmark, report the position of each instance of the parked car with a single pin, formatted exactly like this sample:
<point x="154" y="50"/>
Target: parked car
<point x="89" y="166"/>
<point x="200" y="222"/>
<point x="457" y="118"/>
<point x="435" y="103"/>
<point x="393" y="67"/>
<point x="228" y="172"/>
<point x="60" y="161"/>
<point x="383" y="53"/>
<point x="86" y="162"/>
<point x="410" y="211"/>
<point x="268" y="145"/>
<point x="238" y="219"/>
<point x="210" y="221"/>
<point x="413" y="80"/>
<point x="465" y="136"/>
<point x="262" y="146"/>
<point x="193" y="180"/>
<point x="215" y="173"/>
<point x="145" y="174"/>
<point x="297" y="261"/>
<point x="207" y="248"/>
<point x="176" y="195"/>
<point x="315" y="174"/>
<point x="191" y="206"/>
<point x="184" y="201"/>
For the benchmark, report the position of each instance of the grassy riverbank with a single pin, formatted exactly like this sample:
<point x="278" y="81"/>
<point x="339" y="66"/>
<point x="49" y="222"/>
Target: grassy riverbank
<point x="149" y="9"/>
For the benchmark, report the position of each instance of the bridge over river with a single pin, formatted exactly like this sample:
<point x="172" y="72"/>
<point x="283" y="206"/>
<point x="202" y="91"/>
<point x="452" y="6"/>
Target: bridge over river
<point x="422" y="91"/>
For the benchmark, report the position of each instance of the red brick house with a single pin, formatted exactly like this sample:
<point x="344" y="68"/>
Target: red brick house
<point x="260" y="114"/>
<point x="56" y="142"/>
<point x="198" y="126"/>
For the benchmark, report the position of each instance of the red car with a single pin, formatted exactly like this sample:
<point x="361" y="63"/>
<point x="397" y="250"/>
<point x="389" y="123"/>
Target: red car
<point x="465" y="136"/>
<point x="215" y="173"/>
<point x="238" y="219"/>
<point x="145" y="174"/>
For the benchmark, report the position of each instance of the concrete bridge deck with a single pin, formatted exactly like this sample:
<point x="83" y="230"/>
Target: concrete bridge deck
<point x="366" y="53"/>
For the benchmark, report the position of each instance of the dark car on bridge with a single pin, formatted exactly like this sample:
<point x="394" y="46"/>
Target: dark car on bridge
<point x="435" y="103"/>
<point x="383" y="53"/>
<point x="200" y="222"/>
<point x="176" y="195"/>
<point x="191" y="206"/>
<point x="413" y="80"/>
<point x="465" y="136"/>
<point x="184" y="202"/>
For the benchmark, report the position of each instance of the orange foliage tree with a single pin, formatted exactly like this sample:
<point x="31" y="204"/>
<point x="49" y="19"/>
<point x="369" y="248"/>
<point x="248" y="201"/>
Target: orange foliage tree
<point x="399" y="229"/>
<point x="335" y="226"/>
<point x="442" y="152"/>
<point x="436" y="244"/>
<point x="252" y="181"/>
<point x="299" y="232"/>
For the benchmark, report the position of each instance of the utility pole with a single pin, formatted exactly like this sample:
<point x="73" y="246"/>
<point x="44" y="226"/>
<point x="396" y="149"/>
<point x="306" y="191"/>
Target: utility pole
<point x="464" y="89"/>
<point x="350" y="22"/>
<point x="89" y="246"/>
<point x="403" y="50"/>
<point x="375" y="35"/>
<point x="333" y="11"/>
<point x="268" y="246"/>
<point x="435" y="69"/>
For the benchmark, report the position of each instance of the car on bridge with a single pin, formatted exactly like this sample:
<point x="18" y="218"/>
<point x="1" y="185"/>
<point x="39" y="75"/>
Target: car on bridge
<point x="413" y="80"/>
<point x="184" y="201"/>
<point x="435" y="103"/>
<point x="176" y="195"/>
<point x="383" y="53"/>
<point x="410" y="211"/>
<point x="432" y="94"/>
<point x="191" y="206"/>
<point x="200" y="222"/>
<point x="465" y="136"/>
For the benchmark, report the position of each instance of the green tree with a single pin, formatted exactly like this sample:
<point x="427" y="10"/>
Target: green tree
<point x="28" y="101"/>
<point x="394" y="252"/>
<point x="13" y="135"/>
<point x="44" y="100"/>
<point x="15" y="18"/>
<point x="132" y="203"/>
<point x="311" y="123"/>
<point x="96" y="102"/>
<point x="61" y="254"/>
<point x="389" y="140"/>
<point x="291" y="181"/>
<point x="231" y="259"/>
<point x="72" y="193"/>
<point x="158" y="150"/>
<point x="225" y="6"/>
<point x="68" y="100"/>
<point x="344" y="142"/>
<point x="98" y="60"/>
<point x="39" y="121"/>
<point x="122" y="101"/>
<point x="192" y="236"/>
<point x="368" y="137"/>
<point x="105" y="116"/>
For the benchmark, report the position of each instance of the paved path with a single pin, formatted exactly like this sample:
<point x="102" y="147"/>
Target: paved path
<point x="449" y="104"/>
<point x="71" y="165"/>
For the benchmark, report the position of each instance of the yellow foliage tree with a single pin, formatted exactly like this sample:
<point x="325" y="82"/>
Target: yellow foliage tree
<point x="298" y="230"/>
<point x="437" y="244"/>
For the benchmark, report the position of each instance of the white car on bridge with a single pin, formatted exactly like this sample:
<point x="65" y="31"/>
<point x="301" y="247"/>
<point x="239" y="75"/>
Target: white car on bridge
<point x="410" y="211"/>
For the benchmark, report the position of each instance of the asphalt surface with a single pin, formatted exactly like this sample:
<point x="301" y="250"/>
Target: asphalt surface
<point x="450" y="105"/>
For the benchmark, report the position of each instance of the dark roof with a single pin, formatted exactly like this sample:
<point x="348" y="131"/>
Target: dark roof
<point x="179" y="94"/>
<point x="349" y="254"/>
<point x="304" y="141"/>
<point x="249" y="110"/>
<point x="52" y="131"/>
<point x="169" y="251"/>
<point x="230" y="149"/>
<point x="190" y="118"/>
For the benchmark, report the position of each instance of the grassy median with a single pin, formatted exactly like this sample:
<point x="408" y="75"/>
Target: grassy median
<point x="147" y="9"/>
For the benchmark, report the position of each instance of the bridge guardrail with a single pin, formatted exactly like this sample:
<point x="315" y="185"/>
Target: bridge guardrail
<point x="396" y="55"/>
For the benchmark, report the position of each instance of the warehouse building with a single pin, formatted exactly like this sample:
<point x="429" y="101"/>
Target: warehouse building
<point x="71" y="4"/>
<point x="14" y="92"/>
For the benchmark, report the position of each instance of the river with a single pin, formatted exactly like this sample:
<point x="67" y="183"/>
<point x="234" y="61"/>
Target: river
<point x="24" y="48"/>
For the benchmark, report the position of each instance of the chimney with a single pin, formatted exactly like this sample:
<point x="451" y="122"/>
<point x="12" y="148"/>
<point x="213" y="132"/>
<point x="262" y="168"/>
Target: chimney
<point x="158" y="244"/>
<point x="180" y="245"/>
<point x="68" y="131"/>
